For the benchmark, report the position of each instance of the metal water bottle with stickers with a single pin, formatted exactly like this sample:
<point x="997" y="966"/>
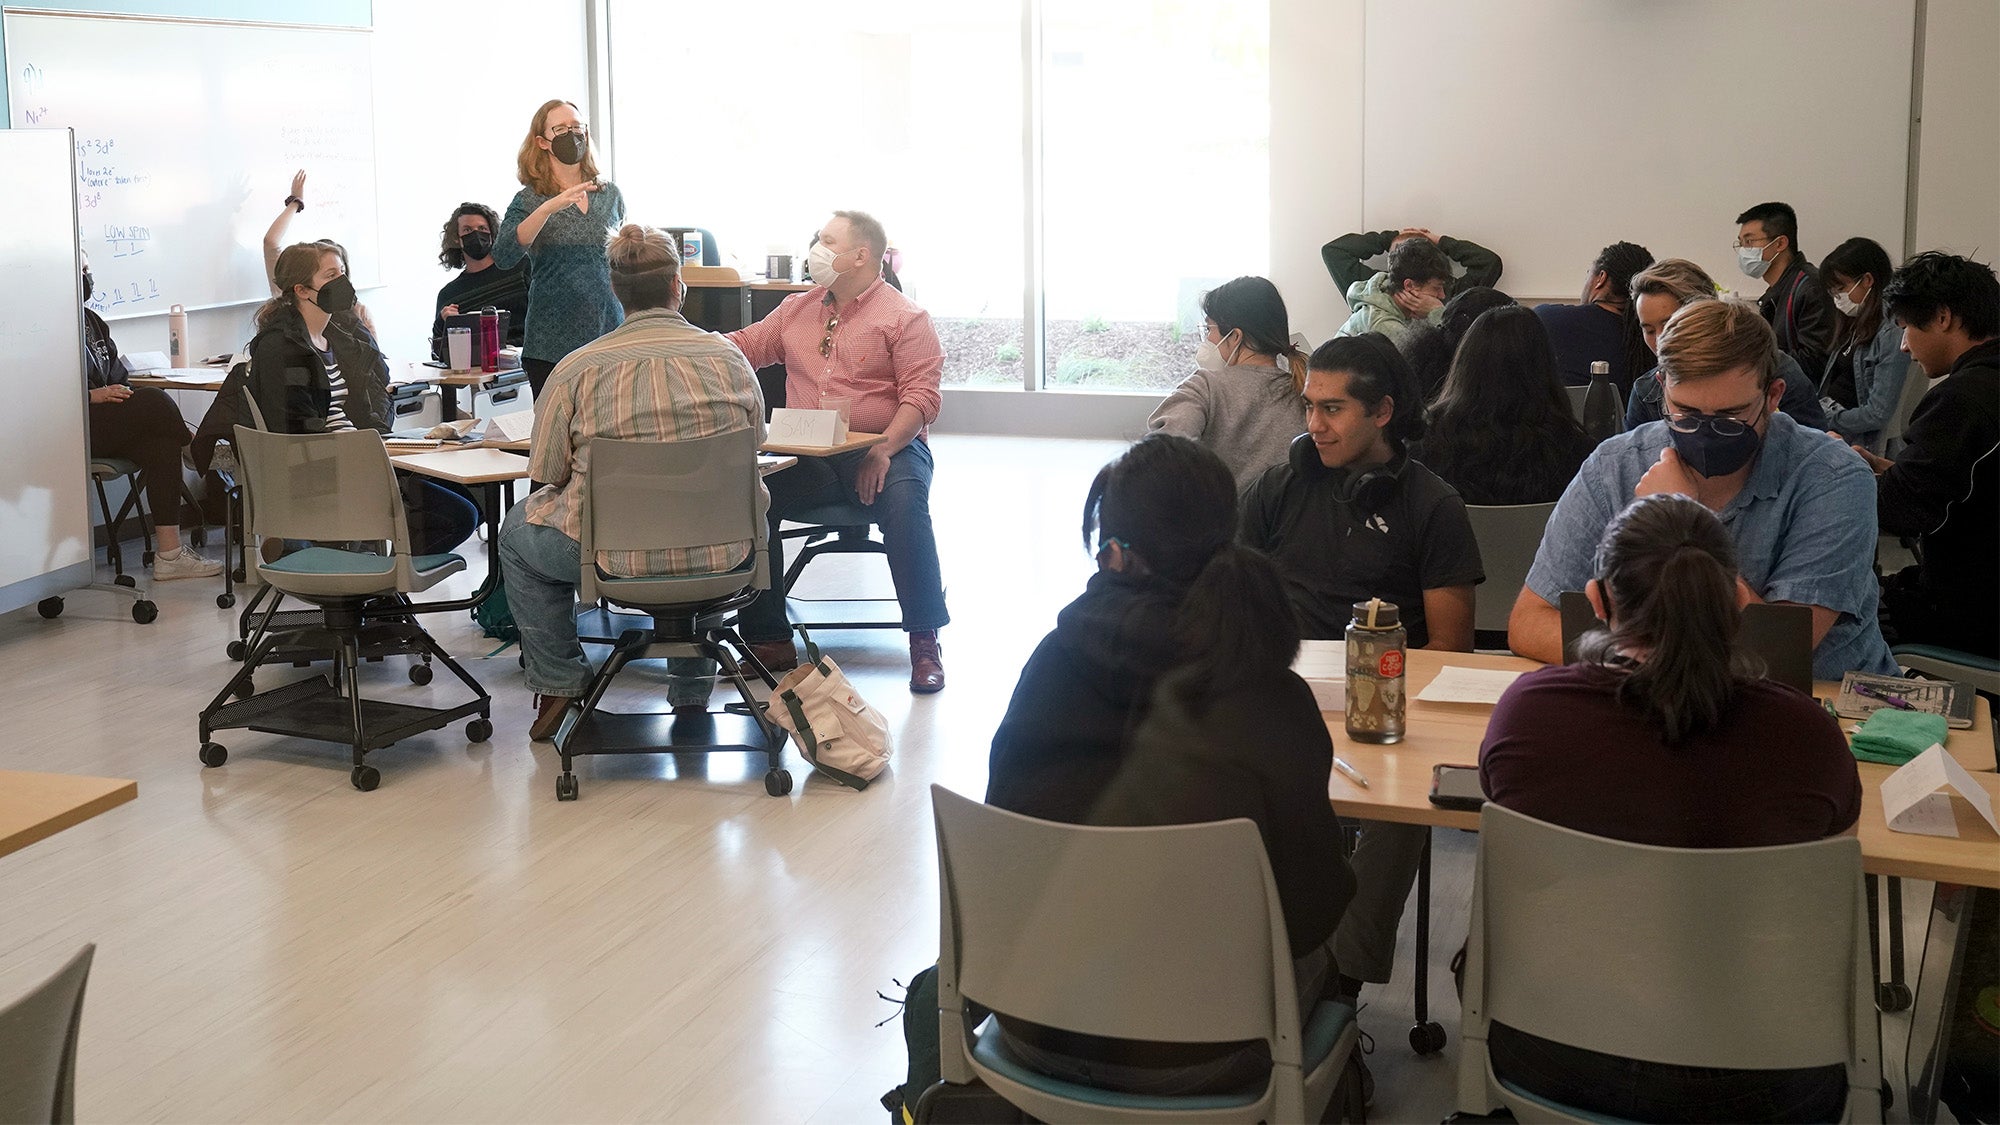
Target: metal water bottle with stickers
<point x="1375" y="645"/>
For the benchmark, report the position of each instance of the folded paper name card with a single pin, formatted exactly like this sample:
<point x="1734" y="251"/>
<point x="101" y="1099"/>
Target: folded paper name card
<point x="517" y="426"/>
<point x="814" y="428"/>
<point x="1916" y="797"/>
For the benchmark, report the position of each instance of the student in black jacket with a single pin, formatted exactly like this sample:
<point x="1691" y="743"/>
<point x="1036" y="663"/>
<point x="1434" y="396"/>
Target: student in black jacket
<point x="467" y="246"/>
<point x="1096" y="734"/>
<point x="1794" y="303"/>
<point x="315" y="368"/>
<point x="1944" y="486"/>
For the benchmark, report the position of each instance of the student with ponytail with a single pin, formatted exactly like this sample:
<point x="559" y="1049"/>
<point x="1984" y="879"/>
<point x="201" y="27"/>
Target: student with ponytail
<point x="1662" y="734"/>
<point x="1165" y="696"/>
<point x="1602" y="325"/>
<point x="1243" y="401"/>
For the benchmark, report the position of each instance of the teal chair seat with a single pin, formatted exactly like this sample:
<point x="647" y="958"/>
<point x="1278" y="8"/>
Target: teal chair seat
<point x="331" y="560"/>
<point x="1557" y="1110"/>
<point x="1322" y="1034"/>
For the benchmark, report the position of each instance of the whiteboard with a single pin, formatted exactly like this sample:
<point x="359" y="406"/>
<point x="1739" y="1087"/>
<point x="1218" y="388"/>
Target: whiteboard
<point x="1545" y="131"/>
<point x="187" y="135"/>
<point x="44" y="509"/>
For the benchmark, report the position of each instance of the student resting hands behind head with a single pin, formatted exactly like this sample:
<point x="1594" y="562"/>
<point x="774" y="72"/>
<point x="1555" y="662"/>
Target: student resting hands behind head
<point x="1662" y="733"/>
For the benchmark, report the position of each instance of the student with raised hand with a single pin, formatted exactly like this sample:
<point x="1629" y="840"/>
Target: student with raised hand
<point x="1663" y="289"/>
<point x="1429" y="348"/>
<point x="560" y="221"/>
<point x="1663" y="734"/>
<point x="1602" y="325"/>
<point x="1794" y="303"/>
<point x="1347" y="257"/>
<point x="467" y="246"/>
<point x="1502" y="430"/>
<point x="142" y="425"/>
<point x="1863" y="380"/>
<point x="1411" y="291"/>
<point x="1944" y="485"/>
<point x="315" y="368"/>
<point x="1796" y="503"/>
<point x="1243" y="401"/>
<point x="274" y="238"/>
<point x="1348" y="517"/>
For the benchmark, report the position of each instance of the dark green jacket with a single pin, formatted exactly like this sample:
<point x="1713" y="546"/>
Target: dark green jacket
<point x="1344" y="258"/>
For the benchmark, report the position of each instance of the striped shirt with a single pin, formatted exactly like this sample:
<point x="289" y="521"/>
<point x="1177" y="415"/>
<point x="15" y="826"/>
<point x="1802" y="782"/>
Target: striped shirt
<point x="655" y="378"/>
<point x="336" y="385"/>
<point x="884" y="354"/>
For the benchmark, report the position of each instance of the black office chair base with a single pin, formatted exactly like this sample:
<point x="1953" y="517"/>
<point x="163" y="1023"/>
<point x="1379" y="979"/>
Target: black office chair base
<point x="588" y="729"/>
<point x="834" y="613"/>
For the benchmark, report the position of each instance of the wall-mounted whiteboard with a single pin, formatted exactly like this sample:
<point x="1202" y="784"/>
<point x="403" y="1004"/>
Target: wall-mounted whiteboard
<point x="1547" y="130"/>
<point x="45" y="544"/>
<point x="187" y="135"/>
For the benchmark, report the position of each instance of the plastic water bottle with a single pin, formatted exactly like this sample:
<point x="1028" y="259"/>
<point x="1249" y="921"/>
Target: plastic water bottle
<point x="1376" y="642"/>
<point x="177" y="336"/>
<point x="1602" y="417"/>
<point x="691" y="248"/>
<point x="489" y="339"/>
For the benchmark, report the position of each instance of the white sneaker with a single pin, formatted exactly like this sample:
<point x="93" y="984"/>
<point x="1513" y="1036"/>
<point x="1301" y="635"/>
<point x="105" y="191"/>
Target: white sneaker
<point x="186" y="563"/>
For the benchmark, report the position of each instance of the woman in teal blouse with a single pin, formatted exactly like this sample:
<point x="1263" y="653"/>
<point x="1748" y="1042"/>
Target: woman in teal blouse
<point x="559" y="221"/>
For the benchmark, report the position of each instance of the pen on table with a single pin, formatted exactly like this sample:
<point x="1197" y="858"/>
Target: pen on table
<point x="1897" y="702"/>
<point x="1353" y="774"/>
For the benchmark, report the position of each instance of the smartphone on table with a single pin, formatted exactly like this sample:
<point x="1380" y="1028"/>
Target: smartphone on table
<point x="1456" y="787"/>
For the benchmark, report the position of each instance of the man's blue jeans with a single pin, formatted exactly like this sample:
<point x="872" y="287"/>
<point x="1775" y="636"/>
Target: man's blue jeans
<point x="902" y="508"/>
<point x="539" y="565"/>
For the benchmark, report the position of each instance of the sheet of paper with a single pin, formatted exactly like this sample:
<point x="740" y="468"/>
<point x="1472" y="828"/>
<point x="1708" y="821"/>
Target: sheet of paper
<point x="803" y="427"/>
<point x="1467" y="685"/>
<point x="1321" y="660"/>
<point x="517" y="426"/>
<point x="1911" y="801"/>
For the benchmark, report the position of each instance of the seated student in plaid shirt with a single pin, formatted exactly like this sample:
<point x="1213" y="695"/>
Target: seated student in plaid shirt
<point x="653" y="378"/>
<point x="855" y="336"/>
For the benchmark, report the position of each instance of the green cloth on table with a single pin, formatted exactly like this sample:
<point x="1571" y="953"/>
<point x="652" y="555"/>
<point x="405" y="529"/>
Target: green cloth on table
<point x="1893" y="737"/>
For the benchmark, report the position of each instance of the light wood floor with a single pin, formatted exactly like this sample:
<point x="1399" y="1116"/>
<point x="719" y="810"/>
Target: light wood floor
<point x="457" y="946"/>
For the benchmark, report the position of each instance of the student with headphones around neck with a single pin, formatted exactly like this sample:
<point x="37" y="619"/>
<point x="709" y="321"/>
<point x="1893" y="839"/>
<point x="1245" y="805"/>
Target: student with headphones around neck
<point x="1350" y="517"/>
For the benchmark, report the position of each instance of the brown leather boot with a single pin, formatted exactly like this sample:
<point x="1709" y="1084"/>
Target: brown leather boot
<point x="777" y="657"/>
<point x="926" y="662"/>
<point x="549" y="710"/>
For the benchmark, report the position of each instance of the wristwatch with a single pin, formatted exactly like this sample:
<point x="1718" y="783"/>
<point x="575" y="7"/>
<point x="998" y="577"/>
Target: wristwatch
<point x="291" y="199"/>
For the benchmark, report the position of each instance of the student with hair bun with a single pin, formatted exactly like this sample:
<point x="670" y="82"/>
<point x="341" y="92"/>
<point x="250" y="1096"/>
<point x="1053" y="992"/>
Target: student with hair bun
<point x="1663" y="734"/>
<point x="1243" y="399"/>
<point x="1602" y="325"/>
<point x="653" y="378"/>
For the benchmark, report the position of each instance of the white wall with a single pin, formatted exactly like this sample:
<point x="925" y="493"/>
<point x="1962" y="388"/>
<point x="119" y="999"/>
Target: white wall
<point x="1958" y="166"/>
<point x="1316" y="138"/>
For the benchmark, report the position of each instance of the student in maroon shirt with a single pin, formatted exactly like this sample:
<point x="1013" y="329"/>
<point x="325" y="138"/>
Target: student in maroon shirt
<point x="1662" y="734"/>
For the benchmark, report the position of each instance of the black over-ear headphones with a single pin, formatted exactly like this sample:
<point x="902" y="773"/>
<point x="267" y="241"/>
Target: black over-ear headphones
<point x="1368" y="490"/>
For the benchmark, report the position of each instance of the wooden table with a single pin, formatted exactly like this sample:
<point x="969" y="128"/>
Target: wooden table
<point x="854" y="441"/>
<point x="195" y="379"/>
<point x="35" y="806"/>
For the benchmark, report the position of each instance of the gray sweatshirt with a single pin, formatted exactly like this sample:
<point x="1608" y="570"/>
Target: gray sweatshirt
<point x="1247" y="415"/>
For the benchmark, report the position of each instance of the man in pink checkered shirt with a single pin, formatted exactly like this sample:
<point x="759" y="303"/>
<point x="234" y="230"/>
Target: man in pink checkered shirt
<point x="855" y="336"/>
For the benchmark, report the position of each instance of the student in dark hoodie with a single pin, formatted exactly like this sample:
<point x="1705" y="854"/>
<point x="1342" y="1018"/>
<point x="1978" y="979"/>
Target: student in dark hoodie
<point x="1165" y="696"/>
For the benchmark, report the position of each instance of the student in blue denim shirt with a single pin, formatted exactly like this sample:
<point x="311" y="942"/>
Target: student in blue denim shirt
<point x="1863" y="382"/>
<point x="1797" y="503"/>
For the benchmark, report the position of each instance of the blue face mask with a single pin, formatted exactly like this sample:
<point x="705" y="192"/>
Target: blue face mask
<point x="1714" y="445"/>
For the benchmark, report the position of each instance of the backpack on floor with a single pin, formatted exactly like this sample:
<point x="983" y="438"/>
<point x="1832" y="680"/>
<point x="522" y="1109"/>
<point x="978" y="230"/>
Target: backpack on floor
<point x="837" y="731"/>
<point x="495" y="618"/>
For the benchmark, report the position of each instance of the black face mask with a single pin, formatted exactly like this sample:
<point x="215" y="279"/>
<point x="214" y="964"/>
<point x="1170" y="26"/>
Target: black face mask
<point x="478" y="245"/>
<point x="336" y="296"/>
<point x="89" y="285"/>
<point x="570" y="147"/>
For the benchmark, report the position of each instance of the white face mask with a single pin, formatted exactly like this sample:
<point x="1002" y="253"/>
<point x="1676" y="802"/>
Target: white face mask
<point x="1208" y="355"/>
<point x="1846" y="305"/>
<point x="819" y="266"/>
<point x="1750" y="259"/>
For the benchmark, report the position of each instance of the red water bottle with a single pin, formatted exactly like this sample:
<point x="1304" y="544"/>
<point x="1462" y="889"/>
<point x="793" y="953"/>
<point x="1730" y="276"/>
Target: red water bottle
<point x="489" y="339"/>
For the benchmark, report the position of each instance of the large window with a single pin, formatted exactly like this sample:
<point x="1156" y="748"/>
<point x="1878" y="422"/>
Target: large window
<point x="755" y="121"/>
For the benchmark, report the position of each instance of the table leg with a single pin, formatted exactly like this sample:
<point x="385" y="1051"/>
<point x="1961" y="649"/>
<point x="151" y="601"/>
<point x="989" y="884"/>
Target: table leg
<point x="1426" y="1035"/>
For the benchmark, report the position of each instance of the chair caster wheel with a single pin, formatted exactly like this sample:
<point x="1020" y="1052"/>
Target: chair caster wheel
<point x="126" y="581"/>
<point x="237" y="650"/>
<point x="212" y="754"/>
<point x="778" y="782"/>
<point x="49" y="607"/>
<point x="248" y="689"/>
<point x="522" y="660"/>
<point x="225" y="601"/>
<point x="1892" y="997"/>
<point x="146" y="559"/>
<point x="566" y="787"/>
<point x="420" y="674"/>
<point x="145" y="613"/>
<point x="365" y="778"/>
<point x="1426" y="1038"/>
<point x="478" y="730"/>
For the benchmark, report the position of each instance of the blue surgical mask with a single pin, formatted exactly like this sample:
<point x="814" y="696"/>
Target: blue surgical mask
<point x="1750" y="259"/>
<point x="1714" y="445"/>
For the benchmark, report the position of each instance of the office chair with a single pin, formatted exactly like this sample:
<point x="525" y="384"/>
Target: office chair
<point x="837" y="528"/>
<point x="1508" y="537"/>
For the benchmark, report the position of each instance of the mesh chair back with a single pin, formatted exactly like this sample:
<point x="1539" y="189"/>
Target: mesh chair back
<point x="327" y="487"/>
<point x="38" y="1036"/>
<point x="1508" y="537"/>
<point x="1169" y="934"/>
<point x="1751" y="958"/>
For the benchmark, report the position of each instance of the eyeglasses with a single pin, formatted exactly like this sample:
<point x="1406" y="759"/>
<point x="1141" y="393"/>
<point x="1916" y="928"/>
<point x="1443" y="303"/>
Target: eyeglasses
<point x="563" y="130"/>
<point x="1721" y="425"/>
<point x="826" y="344"/>
<point x="1739" y="244"/>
